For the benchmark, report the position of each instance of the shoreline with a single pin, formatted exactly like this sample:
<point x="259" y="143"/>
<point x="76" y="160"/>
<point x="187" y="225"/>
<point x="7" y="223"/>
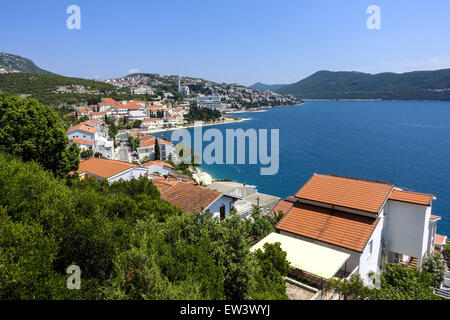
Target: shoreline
<point x="195" y="126"/>
<point x="202" y="177"/>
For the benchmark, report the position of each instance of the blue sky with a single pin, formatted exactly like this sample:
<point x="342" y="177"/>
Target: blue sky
<point x="241" y="41"/>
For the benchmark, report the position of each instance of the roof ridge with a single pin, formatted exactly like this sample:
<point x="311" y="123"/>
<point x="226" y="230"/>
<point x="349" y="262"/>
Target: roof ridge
<point x="353" y="178"/>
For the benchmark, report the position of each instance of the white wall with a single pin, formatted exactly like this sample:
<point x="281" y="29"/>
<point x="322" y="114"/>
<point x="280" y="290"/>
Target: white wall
<point x="162" y="170"/>
<point x="368" y="261"/>
<point x="129" y="174"/>
<point x="215" y="206"/>
<point x="407" y="228"/>
<point x="81" y="135"/>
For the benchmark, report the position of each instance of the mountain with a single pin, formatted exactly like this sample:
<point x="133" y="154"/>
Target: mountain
<point x="417" y="85"/>
<point x="263" y="87"/>
<point x="13" y="63"/>
<point x="56" y="90"/>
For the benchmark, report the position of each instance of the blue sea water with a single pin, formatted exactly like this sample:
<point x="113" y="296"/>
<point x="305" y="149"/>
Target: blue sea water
<point x="403" y="142"/>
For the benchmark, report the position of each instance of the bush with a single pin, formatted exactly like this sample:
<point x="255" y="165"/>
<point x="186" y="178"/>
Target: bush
<point x="435" y="265"/>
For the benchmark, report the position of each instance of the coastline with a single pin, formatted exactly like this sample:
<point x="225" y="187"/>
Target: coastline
<point x="202" y="125"/>
<point x="202" y="177"/>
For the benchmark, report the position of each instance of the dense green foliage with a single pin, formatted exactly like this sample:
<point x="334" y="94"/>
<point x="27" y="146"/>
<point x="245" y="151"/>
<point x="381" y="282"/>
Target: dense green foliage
<point x="396" y="283"/>
<point x="87" y="153"/>
<point x="33" y="131"/>
<point x="418" y="85"/>
<point x="435" y="265"/>
<point x="157" y="150"/>
<point x="202" y="114"/>
<point x="128" y="243"/>
<point x="44" y="87"/>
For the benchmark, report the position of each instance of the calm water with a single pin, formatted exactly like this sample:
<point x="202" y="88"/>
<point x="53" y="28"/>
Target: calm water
<point x="406" y="143"/>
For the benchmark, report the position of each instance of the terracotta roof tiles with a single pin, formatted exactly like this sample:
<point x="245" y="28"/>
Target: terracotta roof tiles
<point x="411" y="197"/>
<point x="343" y="229"/>
<point x="346" y="192"/>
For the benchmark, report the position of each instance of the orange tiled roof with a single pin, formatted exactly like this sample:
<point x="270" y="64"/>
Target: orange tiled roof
<point x="346" y="192"/>
<point x="434" y="217"/>
<point x="103" y="168"/>
<point x="343" y="229"/>
<point x="284" y="206"/>
<point x="110" y="101"/>
<point x="411" y="197"/>
<point x="151" y="120"/>
<point x="440" y="239"/>
<point x="82" y="127"/>
<point x="82" y="141"/>
<point x="163" y="185"/>
<point x="188" y="197"/>
<point x="158" y="163"/>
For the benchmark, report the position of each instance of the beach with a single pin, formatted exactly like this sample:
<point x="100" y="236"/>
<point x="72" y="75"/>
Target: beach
<point x="199" y="124"/>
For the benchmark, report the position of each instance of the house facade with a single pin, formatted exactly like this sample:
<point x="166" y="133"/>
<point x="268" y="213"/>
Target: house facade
<point x="193" y="198"/>
<point x="372" y="222"/>
<point x="110" y="170"/>
<point x="93" y="135"/>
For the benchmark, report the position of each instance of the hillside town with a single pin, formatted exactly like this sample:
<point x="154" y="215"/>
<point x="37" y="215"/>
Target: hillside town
<point x="230" y="96"/>
<point x="334" y="227"/>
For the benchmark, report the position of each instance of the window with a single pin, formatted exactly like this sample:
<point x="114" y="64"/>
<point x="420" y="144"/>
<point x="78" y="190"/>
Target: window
<point x="370" y="247"/>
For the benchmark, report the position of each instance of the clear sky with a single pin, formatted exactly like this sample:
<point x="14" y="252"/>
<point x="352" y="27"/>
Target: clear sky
<point x="241" y="41"/>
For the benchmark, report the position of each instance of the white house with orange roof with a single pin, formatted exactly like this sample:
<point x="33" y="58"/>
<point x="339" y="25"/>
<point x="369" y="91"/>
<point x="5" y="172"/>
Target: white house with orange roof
<point x="93" y="135"/>
<point x="147" y="147"/>
<point x="159" y="167"/>
<point x="338" y="226"/>
<point x="110" y="170"/>
<point x="152" y="123"/>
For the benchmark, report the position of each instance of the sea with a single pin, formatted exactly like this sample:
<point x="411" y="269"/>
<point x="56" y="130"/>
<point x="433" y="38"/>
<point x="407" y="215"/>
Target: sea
<point x="406" y="143"/>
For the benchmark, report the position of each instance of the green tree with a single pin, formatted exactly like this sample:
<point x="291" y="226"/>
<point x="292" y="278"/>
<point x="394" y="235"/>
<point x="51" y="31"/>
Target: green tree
<point x="33" y="131"/>
<point x="157" y="150"/>
<point x="87" y="153"/>
<point x="137" y="123"/>
<point x="435" y="265"/>
<point x="273" y="265"/>
<point x="396" y="283"/>
<point x="260" y="225"/>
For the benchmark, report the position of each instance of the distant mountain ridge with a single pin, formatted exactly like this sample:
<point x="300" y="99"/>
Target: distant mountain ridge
<point x="13" y="63"/>
<point x="263" y="87"/>
<point x="417" y="85"/>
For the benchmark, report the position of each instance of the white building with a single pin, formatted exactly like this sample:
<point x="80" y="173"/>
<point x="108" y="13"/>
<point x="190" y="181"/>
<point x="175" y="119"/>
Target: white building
<point x="192" y="198"/>
<point x="159" y="167"/>
<point x="110" y="170"/>
<point x="93" y="135"/>
<point x="362" y="224"/>
<point x="147" y="148"/>
<point x="212" y="102"/>
<point x="152" y="123"/>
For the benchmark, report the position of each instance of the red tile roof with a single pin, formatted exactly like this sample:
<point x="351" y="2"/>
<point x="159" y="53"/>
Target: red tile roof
<point x="343" y="229"/>
<point x="158" y="163"/>
<point x="82" y="141"/>
<point x="411" y="197"/>
<point x="440" y="239"/>
<point x="103" y="168"/>
<point x="82" y="127"/>
<point x="284" y="206"/>
<point x="346" y="192"/>
<point x="434" y="217"/>
<point x="188" y="197"/>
